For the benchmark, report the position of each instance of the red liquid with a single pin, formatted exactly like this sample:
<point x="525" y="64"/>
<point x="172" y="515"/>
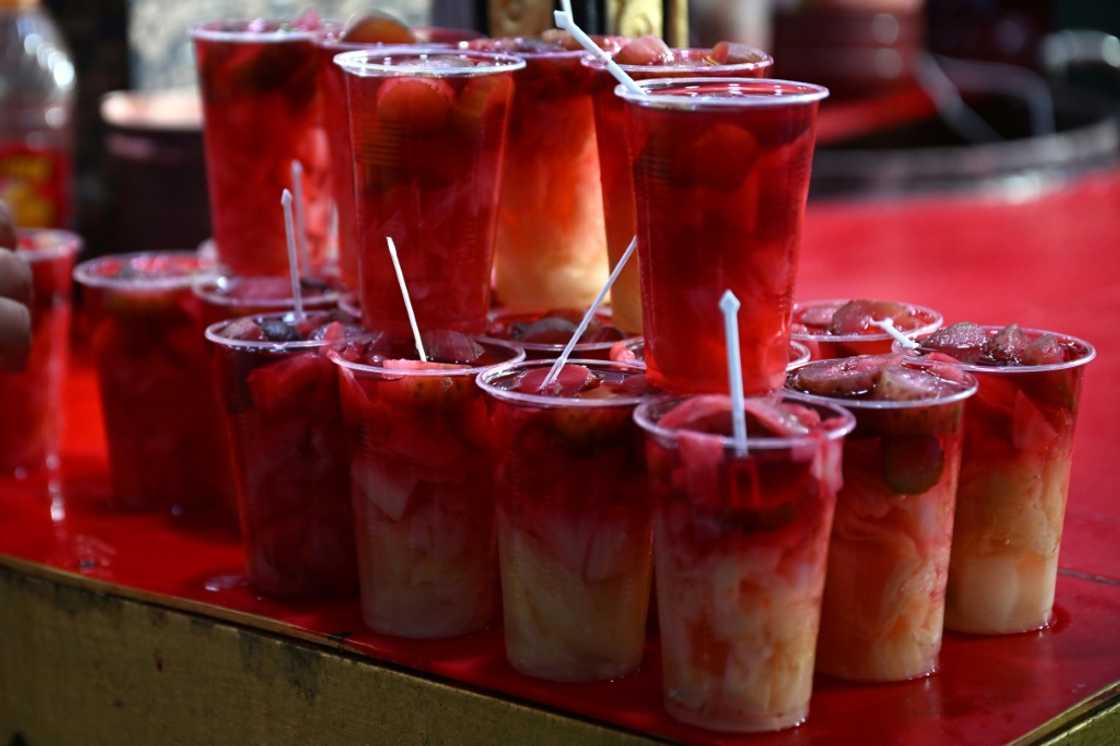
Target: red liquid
<point x="30" y="401"/>
<point x="721" y="195"/>
<point x="165" y="450"/>
<point x="292" y="471"/>
<point x="261" y="112"/>
<point x="428" y="151"/>
<point x="614" y="163"/>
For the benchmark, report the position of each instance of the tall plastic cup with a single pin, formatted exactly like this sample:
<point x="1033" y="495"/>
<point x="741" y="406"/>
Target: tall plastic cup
<point x="428" y="130"/>
<point x="721" y="171"/>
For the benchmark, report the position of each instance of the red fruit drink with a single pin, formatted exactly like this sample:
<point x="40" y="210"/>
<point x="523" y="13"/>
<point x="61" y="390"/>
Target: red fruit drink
<point x="642" y="59"/>
<point x="1018" y="449"/>
<point x="551" y="245"/>
<point x="633" y="351"/>
<point x="259" y="85"/>
<point x="422" y="473"/>
<point x="543" y="334"/>
<point x="884" y="596"/>
<point x="721" y="173"/>
<point x="332" y="86"/>
<point x="574" y="518"/>
<point x="225" y="297"/>
<point x="843" y="328"/>
<point x="740" y="543"/>
<point x="280" y="396"/>
<point x="31" y="400"/>
<point x="153" y="365"/>
<point x="428" y="130"/>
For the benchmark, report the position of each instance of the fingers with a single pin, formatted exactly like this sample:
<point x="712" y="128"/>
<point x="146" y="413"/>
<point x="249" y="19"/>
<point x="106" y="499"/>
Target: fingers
<point x="15" y="278"/>
<point x="15" y="334"/>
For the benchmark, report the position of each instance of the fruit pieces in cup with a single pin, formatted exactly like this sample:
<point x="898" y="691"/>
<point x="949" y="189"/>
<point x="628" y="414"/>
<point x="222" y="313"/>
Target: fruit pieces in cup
<point x="633" y="351"/>
<point x="644" y="58"/>
<point x="888" y="563"/>
<point x="226" y="297"/>
<point x="574" y="518"/>
<point x="740" y="544"/>
<point x="1018" y="449"/>
<point x="551" y="241"/>
<point x="543" y="334"/>
<point x="279" y="392"/>
<point x="153" y="368"/>
<point x="259" y="86"/>
<point x="31" y="400"/>
<point x="843" y="328"/>
<point x="428" y="128"/>
<point x="721" y="169"/>
<point x="421" y="471"/>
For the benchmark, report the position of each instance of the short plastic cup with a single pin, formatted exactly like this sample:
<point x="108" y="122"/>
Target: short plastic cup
<point x="888" y="563"/>
<point x="740" y="543"/>
<point x="281" y="406"/>
<point x="226" y="297"/>
<point x="505" y="324"/>
<point x="153" y="365"/>
<point x="428" y="130"/>
<point x="824" y="345"/>
<point x="721" y="169"/>
<point x="1014" y="483"/>
<point x="31" y="400"/>
<point x="614" y="163"/>
<point x="634" y="351"/>
<point x="423" y="494"/>
<point x="574" y="526"/>
<point x="259" y="85"/>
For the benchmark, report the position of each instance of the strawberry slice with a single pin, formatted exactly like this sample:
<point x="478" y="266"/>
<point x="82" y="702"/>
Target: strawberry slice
<point x="573" y="379"/>
<point x="378" y="28"/>
<point x="645" y="50"/>
<point x="416" y="104"/>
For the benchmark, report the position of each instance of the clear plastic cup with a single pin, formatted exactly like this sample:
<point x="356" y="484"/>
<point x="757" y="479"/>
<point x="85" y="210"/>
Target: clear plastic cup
<point x="721" y="169"/>
<point x="811" y="320"/>
<point x="740" y="543"/>
<point x="226" y="297"/>
<point x="423" y="494"/>
<point x="31" y="400"/>
<point x="888" y="563"/>
<point x="634" y="351"/>
<point x="428" y="128"/>
<point x="574" y="522"/>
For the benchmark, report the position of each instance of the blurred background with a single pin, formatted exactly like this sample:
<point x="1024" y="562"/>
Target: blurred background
<point x="1004" y="96"/>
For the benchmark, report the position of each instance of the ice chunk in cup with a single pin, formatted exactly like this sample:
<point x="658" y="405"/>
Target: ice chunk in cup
<point x="740" y="542"/>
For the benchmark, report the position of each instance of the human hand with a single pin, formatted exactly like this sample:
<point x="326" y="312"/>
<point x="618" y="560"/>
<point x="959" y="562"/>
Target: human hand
<point x="15" y="316"/>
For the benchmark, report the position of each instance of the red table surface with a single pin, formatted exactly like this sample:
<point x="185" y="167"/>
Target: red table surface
<point x="1048" y="261"/>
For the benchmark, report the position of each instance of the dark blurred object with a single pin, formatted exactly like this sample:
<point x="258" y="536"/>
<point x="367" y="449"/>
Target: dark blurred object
<point x="856" y="49"/>
<point x="994" y="30"/>
<point x="155" y="170"/>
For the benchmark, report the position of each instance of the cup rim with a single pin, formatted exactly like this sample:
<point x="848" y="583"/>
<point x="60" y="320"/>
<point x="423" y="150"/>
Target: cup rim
<point x="644" y="420"/>
<point x="213" y="334"/>
<point x="199" y="288"/>
<point x="636" y="343"/>
<point x="464" y="370"/>
<point x="208" y="32"/>
<point x="766" y="61"/>
<point x="557" y="402"/>
<point x="66" y="244"/>
<point x="810" y="94"/>
<point x="357" y="62"/>
<point x="930" y="328"/>
<point x="498" y="314"/>
<point x="1010" y="370"/>
<point x="886" y="405"/>
<point x="84" y="274"/>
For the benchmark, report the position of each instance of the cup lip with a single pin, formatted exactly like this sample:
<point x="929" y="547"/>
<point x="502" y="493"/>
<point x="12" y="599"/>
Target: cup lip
<point x="199" y="287"/>
<point x="358" y="62"/>
<point x="930" y="328"/>
<point x="207" y="31"/>
<point x="810" y="94"/>
<point x="213" y="334"/>
<point x="557" y="402"/>
<point x="1010" y="370"/>
<point x="556" y="348"/>
<point x="84" y="273"/>
<point x="634" y="344"/>
<point x="884" y="405"/>
<point x="645" y="422"/>
<point x="764" y="62"/>
<point x="464" y="370"/>
<point x="65" y="244"/>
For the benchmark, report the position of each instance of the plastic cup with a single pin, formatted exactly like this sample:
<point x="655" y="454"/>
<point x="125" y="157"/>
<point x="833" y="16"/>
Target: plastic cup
<point x="428" y="129"/>
<point x="633" y="351"/>
<point x="514" y="326"/>
<point x="259" y="85"/>
<point x="810" y="322"/>
<point x="888" y="563"/>
<point x="31" y="400"/>
<point x="350" y="306"/>
<point x="614" y="162"/>
<point x="740" y="544"/>
<point x="574" y="524"/>
<point x="1014" y="483"/>
<point x="281" y="407"/>
<point x="423" y="493"/>
<point x="226" y="297"/>
<point x="153" y="367"/>
<point x="721" y="172"/>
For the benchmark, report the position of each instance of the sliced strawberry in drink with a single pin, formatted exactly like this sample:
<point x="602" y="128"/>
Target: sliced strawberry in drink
<point x="480" y="96"/>
<point x="900" y="383"/>
<point x="855" y="317"/>
<point x="1007" y="345"/>
<point x="573" y="379"/>
<point x="850" y="376"/>
<point x="782" y="420"/>
<point x="964" y="340"/>
<point x="1045" y="349"/>
<point x="378" y="28"/>
<point x="645" y="50"/>
<point x="452" y="347"/>
<point x="819" y="316"/>
<point x="415" y="104"/>
<point x="730" y="53"/>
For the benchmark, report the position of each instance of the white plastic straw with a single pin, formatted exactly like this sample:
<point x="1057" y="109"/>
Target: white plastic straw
<point x="888" y="326"/>
<point x="293" y="262"/>
<point x="565" y="21"/>
<point x="566" y="353"/>
<point x="730" y="305"/>
<point x="301" y="218"/>
<point x="407" y="299"/>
